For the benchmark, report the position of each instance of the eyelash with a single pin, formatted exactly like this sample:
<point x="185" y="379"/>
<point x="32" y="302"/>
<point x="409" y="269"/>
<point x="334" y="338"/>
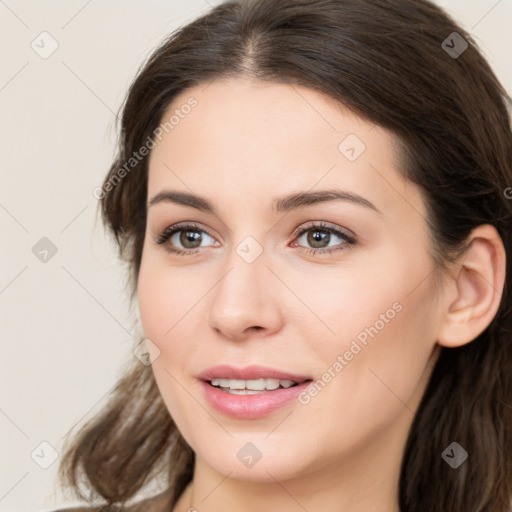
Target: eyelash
<point x="168" y="232"/>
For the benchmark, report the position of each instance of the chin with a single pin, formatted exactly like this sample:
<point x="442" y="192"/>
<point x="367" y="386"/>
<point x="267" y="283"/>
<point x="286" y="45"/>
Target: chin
<point x="255" y="461"/>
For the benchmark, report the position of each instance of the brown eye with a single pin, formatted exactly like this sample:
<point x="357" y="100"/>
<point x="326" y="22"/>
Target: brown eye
<point x="184" y="239"/>
<point x="319" y="237"/>
<point x="190" y="239"/>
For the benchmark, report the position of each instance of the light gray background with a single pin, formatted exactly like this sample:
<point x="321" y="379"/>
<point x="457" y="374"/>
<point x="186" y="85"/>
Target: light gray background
<point x="66" y="328"/>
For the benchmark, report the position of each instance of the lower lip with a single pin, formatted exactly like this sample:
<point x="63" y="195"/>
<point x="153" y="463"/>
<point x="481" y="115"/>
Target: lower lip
<point x="250" y="407"/>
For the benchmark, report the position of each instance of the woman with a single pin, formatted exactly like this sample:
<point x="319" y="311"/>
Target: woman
<point x="314" y="201"/>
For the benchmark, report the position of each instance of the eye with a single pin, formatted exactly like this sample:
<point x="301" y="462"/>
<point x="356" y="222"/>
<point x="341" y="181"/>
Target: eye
<point x="319" y="236"/>
<point x="190" y="236"/>
<point x="186" y="239"/>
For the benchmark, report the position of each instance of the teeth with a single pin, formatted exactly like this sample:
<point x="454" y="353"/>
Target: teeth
<point x="253" y="385"/>
<point x="245" y="392"/>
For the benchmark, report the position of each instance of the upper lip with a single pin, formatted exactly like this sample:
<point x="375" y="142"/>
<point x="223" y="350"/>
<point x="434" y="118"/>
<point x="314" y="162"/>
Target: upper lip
<point x="252" y="372"/>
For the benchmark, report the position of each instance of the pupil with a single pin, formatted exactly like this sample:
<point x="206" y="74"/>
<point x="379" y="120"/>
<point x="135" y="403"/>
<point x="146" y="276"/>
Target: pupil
<point x="190" y="236"/>
<point x="317" y="237"/>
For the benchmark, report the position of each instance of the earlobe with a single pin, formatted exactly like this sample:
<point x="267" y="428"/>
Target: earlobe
<point x="477" y="285"/>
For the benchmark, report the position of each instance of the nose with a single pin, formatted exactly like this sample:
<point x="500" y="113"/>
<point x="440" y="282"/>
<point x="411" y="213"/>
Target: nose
<point x="244" y="303"/>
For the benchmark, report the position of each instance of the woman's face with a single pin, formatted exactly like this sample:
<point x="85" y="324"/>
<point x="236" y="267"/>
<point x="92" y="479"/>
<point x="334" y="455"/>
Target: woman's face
<point x="358" y="316"/>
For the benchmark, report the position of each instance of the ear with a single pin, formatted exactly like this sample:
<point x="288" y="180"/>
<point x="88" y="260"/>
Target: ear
<point x="474" y="288"/>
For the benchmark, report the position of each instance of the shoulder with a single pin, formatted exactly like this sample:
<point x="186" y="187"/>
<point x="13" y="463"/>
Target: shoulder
<point x="158" y="503"/>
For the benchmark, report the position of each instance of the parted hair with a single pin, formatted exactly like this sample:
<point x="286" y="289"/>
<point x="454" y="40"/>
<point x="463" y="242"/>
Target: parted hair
<point x="398" y="64"/>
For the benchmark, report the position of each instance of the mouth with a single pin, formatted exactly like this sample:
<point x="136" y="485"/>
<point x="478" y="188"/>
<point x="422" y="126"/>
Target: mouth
<point x="250" y="380"/>
<point x="251" y="399"/>
<point x="253" y="386"/>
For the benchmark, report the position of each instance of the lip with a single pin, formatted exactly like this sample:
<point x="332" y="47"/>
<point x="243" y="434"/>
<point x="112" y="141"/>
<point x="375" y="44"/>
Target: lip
<point x="250" y="406"/>
<point x="252" y="372"/>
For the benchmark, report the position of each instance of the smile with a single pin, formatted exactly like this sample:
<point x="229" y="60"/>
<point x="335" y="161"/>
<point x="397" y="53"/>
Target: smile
<point x="251" y="387"/>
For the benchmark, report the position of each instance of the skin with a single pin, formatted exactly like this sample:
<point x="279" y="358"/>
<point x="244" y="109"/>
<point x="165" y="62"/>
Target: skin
<point x="245" y="143"/>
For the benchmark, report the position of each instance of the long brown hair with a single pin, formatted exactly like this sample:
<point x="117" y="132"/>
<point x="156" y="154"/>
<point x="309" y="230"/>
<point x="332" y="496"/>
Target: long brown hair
<point x="396" y="63"/>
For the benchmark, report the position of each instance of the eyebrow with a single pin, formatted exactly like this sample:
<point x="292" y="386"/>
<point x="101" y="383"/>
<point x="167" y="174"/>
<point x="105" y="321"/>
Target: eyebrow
<point x="279" y="204"/>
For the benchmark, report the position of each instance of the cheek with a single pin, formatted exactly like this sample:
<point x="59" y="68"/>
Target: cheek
<point x="375" y="334"/>
<point x="165" y="295"/>
<point x="161" y="309"/>
<point x="152" y="304"/>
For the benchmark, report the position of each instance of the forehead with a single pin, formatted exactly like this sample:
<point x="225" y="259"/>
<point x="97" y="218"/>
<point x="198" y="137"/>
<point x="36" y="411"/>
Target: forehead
<point x="258" y="139"/>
